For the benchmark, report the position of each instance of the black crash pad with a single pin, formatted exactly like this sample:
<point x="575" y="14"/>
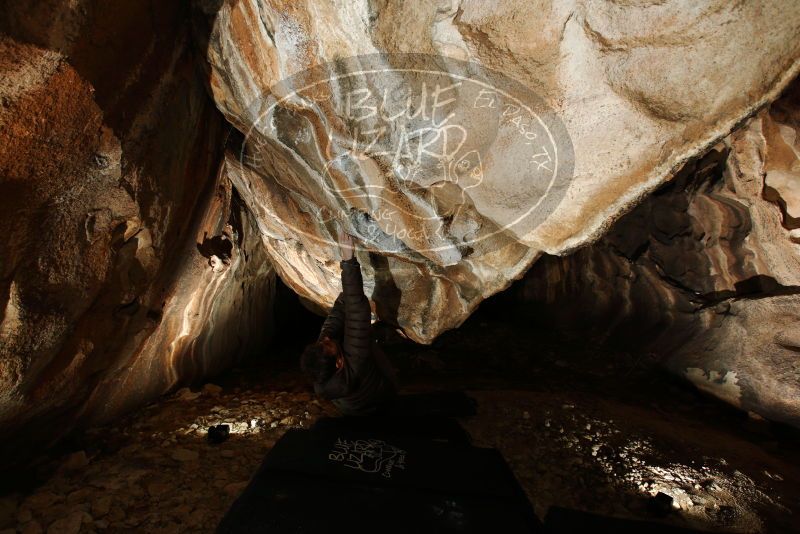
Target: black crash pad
<point x="397" y="474"/>
<point x="381" y="475"/>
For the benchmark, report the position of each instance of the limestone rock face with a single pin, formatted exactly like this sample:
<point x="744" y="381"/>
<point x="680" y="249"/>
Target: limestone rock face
<point x="624" y="93"/>
<point x="127" y="264"/>
<point x="705" y="272"/>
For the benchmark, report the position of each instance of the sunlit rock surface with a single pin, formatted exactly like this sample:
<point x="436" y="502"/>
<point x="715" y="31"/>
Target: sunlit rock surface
<point x="126" y="264"/>
<point x="705" y="272"/>
<point x="639" y="88"/>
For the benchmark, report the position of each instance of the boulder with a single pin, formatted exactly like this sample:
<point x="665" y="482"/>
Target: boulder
<point x="459" y="141"/>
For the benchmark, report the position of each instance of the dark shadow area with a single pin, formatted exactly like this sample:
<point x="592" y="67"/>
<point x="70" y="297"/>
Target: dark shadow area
<point x="295" y="324"/>
<point x="217" y="245"/>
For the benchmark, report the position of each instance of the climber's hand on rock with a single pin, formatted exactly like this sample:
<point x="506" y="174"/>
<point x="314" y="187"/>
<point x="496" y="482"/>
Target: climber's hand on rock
<point x="346" y="246"/>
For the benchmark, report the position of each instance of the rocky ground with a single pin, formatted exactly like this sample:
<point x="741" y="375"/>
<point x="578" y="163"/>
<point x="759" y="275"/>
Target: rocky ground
<point x="586" y="428"/>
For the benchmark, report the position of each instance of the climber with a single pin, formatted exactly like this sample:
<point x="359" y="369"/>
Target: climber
<point x="345" y="364"/>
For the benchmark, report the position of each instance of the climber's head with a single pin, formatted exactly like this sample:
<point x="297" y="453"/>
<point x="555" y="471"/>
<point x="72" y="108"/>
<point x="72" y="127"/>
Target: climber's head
<point x="321" y="359"/>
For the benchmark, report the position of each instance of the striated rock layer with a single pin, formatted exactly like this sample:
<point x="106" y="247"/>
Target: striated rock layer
<point x="705" y="272"/>
<point x="127" y="264"/>
<point x="624" y="93"/>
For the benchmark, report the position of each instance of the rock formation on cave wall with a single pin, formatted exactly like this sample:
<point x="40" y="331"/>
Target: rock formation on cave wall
<point x="122" y="262"/>
<point x="705" y="272"/>
<point x="640" y="88"/>
<point x="139" y="254"/>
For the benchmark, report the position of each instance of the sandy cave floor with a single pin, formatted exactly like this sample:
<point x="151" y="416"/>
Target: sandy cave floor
<point x="584" y="428"/>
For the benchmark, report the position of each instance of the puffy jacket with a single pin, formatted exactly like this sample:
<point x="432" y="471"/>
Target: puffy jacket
<point x="365" y="381"/>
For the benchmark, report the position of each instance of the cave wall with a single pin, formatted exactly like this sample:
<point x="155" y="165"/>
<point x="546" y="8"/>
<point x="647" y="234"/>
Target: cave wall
<point x="705" y="273"/>
<point x="139" y="253"/>
<point x="127" y="265"/>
